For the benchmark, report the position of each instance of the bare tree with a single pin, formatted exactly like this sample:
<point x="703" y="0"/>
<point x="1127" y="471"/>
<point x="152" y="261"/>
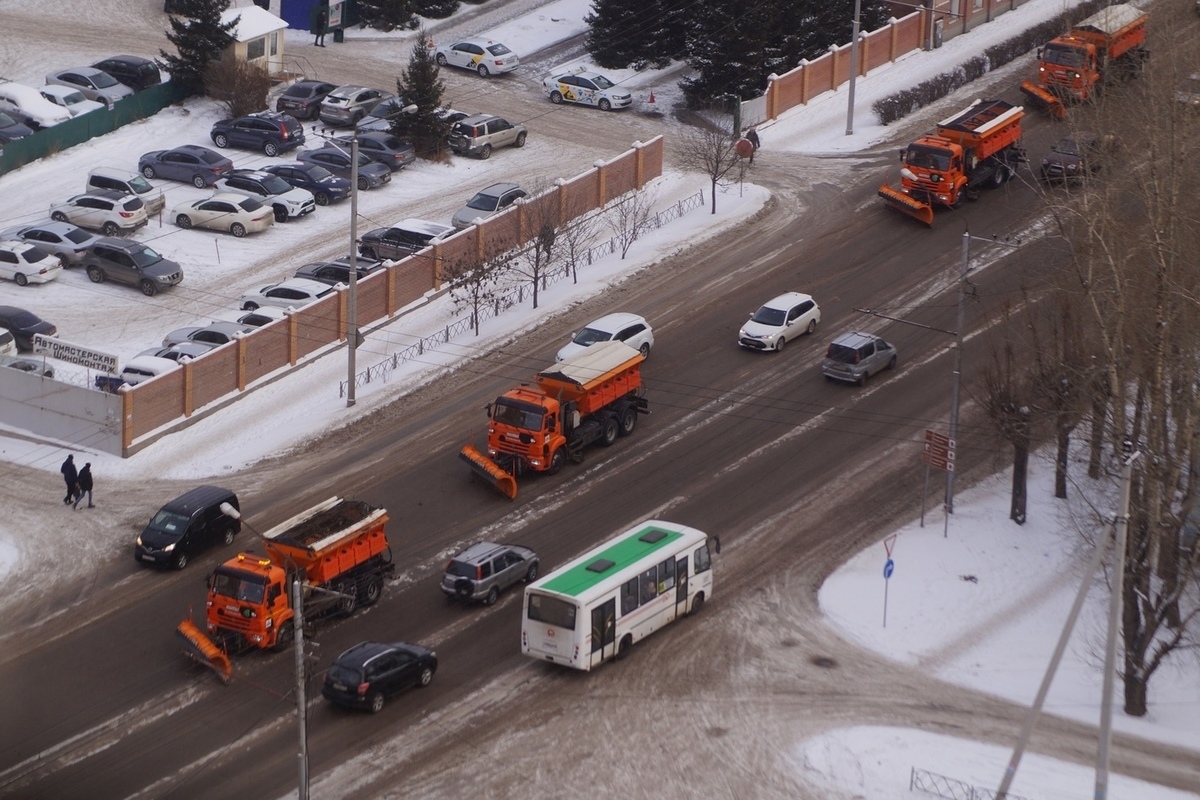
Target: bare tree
<point x="710" y="149"/>
<point x="474" y="285"/>
<point x="629" y="217"/>
<point x="239" y="86"/>
<point x="576" y="237"/>
<point x="534" y="262"/>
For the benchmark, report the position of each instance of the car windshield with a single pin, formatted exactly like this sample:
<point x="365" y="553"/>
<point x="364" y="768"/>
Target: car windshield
<point x="239" y="585"/>
<point x="589" y="336"/>
<point x="300" y="90"/>
<point x="319" y="174"/>
<point x="78" y="235"/>
<point x="770" y="316"/>
<point x="276" y="185"/>
<point x="518" y="415"/>
<point x="169" y="522"/>
<point x="139" y="184"/>
<point x="602" y="82"/>
<point x="6" y="121"/>
<point x="484" y="202"/>
<point x="1067" y="146"/>
<point x="71" y="98"/>
<point x="929" y="158"/>
<point x="144" y="257"/>
<point x="249" y="204"/>
<point x="103" y="80"/>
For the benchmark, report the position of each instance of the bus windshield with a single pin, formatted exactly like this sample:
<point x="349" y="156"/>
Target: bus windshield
<point x="551" y="611"/>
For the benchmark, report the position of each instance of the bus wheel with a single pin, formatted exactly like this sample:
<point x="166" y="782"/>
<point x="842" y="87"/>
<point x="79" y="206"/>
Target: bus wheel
<point x="697" y="604"/>
<point x="623" y="647"/>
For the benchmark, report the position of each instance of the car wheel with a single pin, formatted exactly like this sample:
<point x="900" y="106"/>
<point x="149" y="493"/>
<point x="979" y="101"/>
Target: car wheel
<point x="373" y="591"/>
<point x="221" y="140"/>
<point x="697" y="604"/>
<point x="779" y="345"/>
<point x="376" y="702"/>
<point x="321" y="198"/>
<point x="281" y="214"/>
<point x="486" y="152"/>
<point x="183" y="221"/>
<point x="441" y="60"/>
<point x="363" y="184"/>
<point x="249" y="306"/>
<point x="644" y="349"/>
<point x="368" y="252"/>
<point x="629" y="418"/>
<point x="148" y="172"/>
<point x="531" y="573"/>
<point x="556" y="98"/>
<point x="604" y="105"/>
<point x="556" y="462"/>
<point x="892" y="363"/>
<point x="463" y="588"/>
<point x="623" y="648"/>
<point x="862" y="380"/>
<point x="271" y="149"/>
<point x="110" y="229"/>
<point x="492" y="596"/>
<point x="483" y="71"/>
<point x="95" y="274"/>
<point x="237" y="229"/>
<point x="611" y="430"/>
<point x="520" y="142"/>
<point x="21" y="279"/>
<point x="199" y="182"/>
<point x="426" y="677"/>
<point x="180" y="561"/>
<point x="58" y="216"/>
<point x="812" y="327"/>
<point x="227" y="535"/>
<point x="149" y="288"/>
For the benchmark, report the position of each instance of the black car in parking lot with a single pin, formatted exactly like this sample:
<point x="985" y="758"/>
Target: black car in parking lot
<point x="366" y="674"/>
<point x="24" y="325"/>
<point x="269" y="131"/>
<point x="303" y="98"/>
<point x="326" y="187"/>
<point x="335" y="272"/>
<point x="134" y="71"/>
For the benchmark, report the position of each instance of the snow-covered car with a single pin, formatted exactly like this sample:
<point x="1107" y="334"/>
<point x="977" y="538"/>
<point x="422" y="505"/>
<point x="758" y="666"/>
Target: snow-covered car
<point x="292" y="293"/>
<point x="225" y="211"/>
<point x="103" y="210"/>
<point x="481" y="55"/>
<point x="621" y="326"/>
<point x="785" y="317"/>
<point x="25" y="263"/>
<point x="69" y="98"/>
<point x="587" y="88"/>
<point x="29" y="103"/>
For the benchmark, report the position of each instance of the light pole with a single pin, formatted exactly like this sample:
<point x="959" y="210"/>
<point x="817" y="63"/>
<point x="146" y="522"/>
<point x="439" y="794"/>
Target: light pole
<point x="853" y="69"/>
<point x="352" y="292"/>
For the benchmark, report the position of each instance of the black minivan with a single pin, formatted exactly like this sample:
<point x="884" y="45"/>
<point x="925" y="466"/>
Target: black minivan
<point x="187" y="525"/>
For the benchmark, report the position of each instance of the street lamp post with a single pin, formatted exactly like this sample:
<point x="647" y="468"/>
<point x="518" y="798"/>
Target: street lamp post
<point x="853" y="68"/>
<point x="352" y="293"/>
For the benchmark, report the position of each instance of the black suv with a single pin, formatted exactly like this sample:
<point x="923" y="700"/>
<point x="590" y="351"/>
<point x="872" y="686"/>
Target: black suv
<point x="127" y="261"/>
<point x="483" y="570"/>
<point x="134" y="71"/>
<point x="303" y="98"/>
<point x="326" y="187"/>
<point x="269" y="131"/>
<point x="364" y="675"/>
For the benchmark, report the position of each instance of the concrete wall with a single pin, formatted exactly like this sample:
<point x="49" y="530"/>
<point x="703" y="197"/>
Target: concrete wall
<point x="61" y="411"/>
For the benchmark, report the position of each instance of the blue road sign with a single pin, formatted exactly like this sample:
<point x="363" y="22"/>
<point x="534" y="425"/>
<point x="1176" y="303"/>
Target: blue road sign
<point x="888" y="568"/>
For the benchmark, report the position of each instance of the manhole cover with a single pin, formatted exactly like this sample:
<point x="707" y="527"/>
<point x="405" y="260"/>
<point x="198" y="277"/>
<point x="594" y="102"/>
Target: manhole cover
<point x="824" y="662"/>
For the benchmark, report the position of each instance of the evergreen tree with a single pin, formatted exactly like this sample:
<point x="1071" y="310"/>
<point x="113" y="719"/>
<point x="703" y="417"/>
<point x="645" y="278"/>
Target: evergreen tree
<point x="434" y="9"/>
<point x="421" y="85"/>
<point x="387" y="15"/>
<point x="199" y="37"/>
<point x="635" y="33"/>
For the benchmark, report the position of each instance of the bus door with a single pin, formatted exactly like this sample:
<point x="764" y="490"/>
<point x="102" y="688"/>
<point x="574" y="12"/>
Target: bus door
<point x="681" y="586"/>
<point x="604" y="629"/>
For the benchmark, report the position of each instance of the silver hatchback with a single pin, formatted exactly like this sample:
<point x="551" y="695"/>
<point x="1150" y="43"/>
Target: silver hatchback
<point x="855" y="357"/>
<point x="485" y="569"/>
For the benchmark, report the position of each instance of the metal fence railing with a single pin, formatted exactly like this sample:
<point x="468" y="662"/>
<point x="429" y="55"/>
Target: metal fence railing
<point x="516" y="296"/>
<point x="921" y="780"/>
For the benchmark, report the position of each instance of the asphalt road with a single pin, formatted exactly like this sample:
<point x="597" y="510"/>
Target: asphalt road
<point x="792" y="473"/>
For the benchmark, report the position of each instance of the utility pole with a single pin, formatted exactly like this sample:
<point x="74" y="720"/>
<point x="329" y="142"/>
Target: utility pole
<point x="853" y="68"/>
<point x="301" y="702"/>
<point x="956" y="387"/>
<point x="352" y="293"/>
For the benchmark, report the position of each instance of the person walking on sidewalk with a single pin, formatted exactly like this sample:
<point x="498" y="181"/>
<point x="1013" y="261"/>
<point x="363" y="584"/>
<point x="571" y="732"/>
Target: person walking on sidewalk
<point x="85" y="485"/>
<point x="70" y="477"/>
<point x="752" y="138"/>
<point x="322" y="21"/>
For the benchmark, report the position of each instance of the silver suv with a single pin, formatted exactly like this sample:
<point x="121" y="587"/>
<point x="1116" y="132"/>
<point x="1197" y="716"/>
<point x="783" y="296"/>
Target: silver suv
<point x="346" y="105"/>
<point x="480" y="134"/>
<point x="855" y="357"/>
<point x="483" y="570"/>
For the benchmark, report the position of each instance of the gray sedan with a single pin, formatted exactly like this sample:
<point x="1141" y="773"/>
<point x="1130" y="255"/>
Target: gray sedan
<point x="371" y="174"/>
<point x="189" y="163"/>
<point x="95" y="84"/>
<point x="67" y="241"/>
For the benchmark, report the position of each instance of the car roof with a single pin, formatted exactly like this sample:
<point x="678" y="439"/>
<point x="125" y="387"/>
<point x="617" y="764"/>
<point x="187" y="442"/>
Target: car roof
<point x="106" y="194"/>
<point x="611" y="323"/>
<point x="348" y="88"/>
<point x="228" y="197"/>
<point x="361" y="653"/>
<point x="121" y="242"/>
<point x="54" y="226"/>
<point x="308" y="284"/>
<point x="56" y="89"/>
<point x="480" y="551"/>
<point x="199" y="497"/>
<point x="18" y="245"/>
<point x="425" y="226"/>
<point x="787" y="300"/>
<point x="499" y="188"/>
<point x="81" y="70"/>
<point x="188" y="348"/>
<point x="855" y="338"/>
<point x="128" y="59"/>
<point x="153" y="364"/>
<point x="475" y="119"/>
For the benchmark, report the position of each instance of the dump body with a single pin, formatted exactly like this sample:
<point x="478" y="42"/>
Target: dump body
<point x="1108" y="44"/>
<point x="979" y="146"/>
<point x="595" y="395"/>
<point x="329" y="539"/>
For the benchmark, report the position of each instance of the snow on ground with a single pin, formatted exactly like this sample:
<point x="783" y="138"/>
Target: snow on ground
<point x="993" y="633"/>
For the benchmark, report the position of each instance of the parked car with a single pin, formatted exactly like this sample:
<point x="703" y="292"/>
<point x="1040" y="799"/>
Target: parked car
<point x="186" y="525"/>
<point x="481" y="134"/>
<point x="335" y="272"/>
<point x="134" y="71"/>
<point x="486" y="202"/>
<point x="214" y="334"/>
<point x="24" y="325"/>
<point x="371" y="174"/>
<point x="269" y="131"/>
<point x="1073" y="156"/>
<point x="28" y="365"/>
<point x="189" y="163"/>
<point x="261" y="316"/>
<point x="102" y="210"/>
<point x="779" y="320"/>
<point x="346" y="105"/>
<point x="292" y="293"/>
<point x="69" y="98"/>
<point x="621" y="326"/>
<point x="180" y="351"/>
<point x="404" y="239"/>
<point x="122" y="180"/>
<point x="286" y="201"/>
<point x="303" y="98"/>
<point x="8" y="343"/>
<point x="325" y="187"/>
<point x="855" y="357"/>
<point x="137" y="370"/>
<point x="29" y="103"/>
<point x="224" y="211"/>
<point x="364" y="676"/>
<point x="382" y="115"/>
<point x="384" y="148"/>
<point x="12" y="129"/>
<point x="24" y="263"/>
<point x="481" y="55"/>
<point x="485" y="569"/>
<point x="587" y="88"/>
<point x="96" y="84"/>
<point x="127" y="261"/>
<point x="68" y="242"/>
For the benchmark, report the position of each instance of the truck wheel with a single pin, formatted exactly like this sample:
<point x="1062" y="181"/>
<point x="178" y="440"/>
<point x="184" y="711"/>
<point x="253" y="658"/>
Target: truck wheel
<point x="492" y="596"/>
<point x="629" y="418"/>
<point x="556" y="462"/>
<point x="283" y="639"/>
<point x="376" y="702"/>
<point x="349" y="601"/>
<point x="373" y="591"/>
<point x="611" y="431"/>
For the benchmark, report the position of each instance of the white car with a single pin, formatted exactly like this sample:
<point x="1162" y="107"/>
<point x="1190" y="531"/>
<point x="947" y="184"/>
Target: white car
<point x="631" y="329"/>
<point x="785" y="317"/>
<point x="272" y="190"/>
<point x="26" y="263"/>
<point x="292" y="293"/>
<point x="225" y="211"/>
<point x="482" y="55"/>
<point x="30" y="103"/>
<point x="104" y="210"/>
<point x="143" y="368"/>
<point x="70" y="99"/>
<point x="587" y="88"/>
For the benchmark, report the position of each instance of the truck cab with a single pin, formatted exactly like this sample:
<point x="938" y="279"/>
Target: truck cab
<point x="526" y="426"/>
<point x="247" y="596"/>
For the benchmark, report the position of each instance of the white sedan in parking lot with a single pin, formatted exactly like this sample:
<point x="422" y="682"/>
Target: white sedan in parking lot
<point x="785" y="317"/>
<point x="225" y="211"/>
<point x="587" y="88"/>
<point x="481" y="55"/>
<point x="631" y="329"/>
<point x="292" y="293"/>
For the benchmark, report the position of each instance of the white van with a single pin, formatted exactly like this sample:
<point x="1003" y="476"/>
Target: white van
<point x="127" y="182"/>
<point x="29" y="102"/>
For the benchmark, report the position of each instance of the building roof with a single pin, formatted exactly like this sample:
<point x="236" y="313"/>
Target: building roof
<point x="253" y="22"/>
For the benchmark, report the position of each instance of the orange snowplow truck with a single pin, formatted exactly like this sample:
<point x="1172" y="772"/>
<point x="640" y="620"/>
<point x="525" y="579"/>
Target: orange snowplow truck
<point x="1074" y="67"/>
<point x="594" y="396"/>
<point x="977" y="147"/>
<point x="339" y="552"/>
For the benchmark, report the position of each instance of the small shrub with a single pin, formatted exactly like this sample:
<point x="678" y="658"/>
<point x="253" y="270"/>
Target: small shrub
<point x="238" y="86"/>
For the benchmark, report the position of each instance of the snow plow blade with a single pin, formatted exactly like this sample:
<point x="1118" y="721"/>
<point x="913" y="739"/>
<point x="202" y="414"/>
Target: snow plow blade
<point x="907" y="205"/>
<point x="200" y="649"/>
<point x="1040" y="98"/>
<point x="490" y="471"/>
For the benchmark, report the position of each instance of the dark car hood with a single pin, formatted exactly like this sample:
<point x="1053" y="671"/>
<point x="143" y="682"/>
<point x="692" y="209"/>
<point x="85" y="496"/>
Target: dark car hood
<point x="157" y="540"/>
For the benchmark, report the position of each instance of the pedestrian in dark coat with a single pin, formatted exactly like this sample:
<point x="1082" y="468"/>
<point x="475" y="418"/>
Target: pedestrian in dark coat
<point x="752" y="138"/>
<point x="70" y="477"/>
<point x="85" y="485"/>
<point x="322" y="21"/>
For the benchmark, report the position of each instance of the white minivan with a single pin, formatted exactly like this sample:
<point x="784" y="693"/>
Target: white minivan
<point x="128" y="182"/>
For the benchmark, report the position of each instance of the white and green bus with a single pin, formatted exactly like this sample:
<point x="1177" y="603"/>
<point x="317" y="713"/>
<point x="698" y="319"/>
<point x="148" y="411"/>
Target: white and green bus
<point x="595" y="607"/>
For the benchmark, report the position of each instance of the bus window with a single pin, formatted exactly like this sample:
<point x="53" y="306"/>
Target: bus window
<point x="629" y="596"/>
<point x="649" y="583"/>
<point x="703" y="561"/>
<point x="666" y="576"/>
